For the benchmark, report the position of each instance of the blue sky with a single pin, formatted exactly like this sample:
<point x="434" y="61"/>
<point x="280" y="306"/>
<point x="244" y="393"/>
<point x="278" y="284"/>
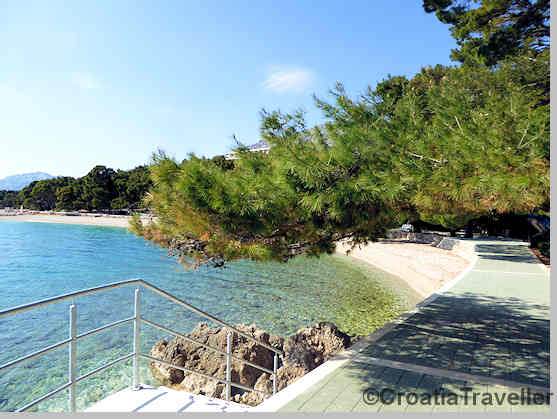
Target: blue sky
<point x="86" y="83"/>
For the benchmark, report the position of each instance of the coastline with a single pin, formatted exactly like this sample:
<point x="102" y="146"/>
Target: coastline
<point x="425" y="268"/>
<point x="86" y="219"/>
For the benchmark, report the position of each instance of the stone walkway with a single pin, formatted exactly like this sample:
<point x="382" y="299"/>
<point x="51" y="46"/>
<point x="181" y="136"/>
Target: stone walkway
<point x="489" y="334"/>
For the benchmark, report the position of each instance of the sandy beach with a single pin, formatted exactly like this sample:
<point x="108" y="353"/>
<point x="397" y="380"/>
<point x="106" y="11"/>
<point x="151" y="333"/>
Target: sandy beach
<point x="424" y="267"/>
<point x="95" y="220"/>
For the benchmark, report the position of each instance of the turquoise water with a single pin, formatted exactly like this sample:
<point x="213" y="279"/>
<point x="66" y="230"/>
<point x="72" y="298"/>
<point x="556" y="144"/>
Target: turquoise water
<point x="40" y="260"/>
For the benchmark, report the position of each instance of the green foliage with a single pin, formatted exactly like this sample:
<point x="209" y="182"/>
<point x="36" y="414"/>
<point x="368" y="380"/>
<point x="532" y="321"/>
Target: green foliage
<point x="41" y="195"/>
<point x="449" y="145"/>
<point x="130" y="186"/>
<point x="450" y="221"/>
<point x="478" y="142"/>
<point x="301" y="197"/>
<point x="101" y="189"/>
<point x="488" y="31"/>
<point x="98" y="188"/>
<point x="221" y="162"/>
<point x="8" y="199"/>
<point x="69" y="197"/>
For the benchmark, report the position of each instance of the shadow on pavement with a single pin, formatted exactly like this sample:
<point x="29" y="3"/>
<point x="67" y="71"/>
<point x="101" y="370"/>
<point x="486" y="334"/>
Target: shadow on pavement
<point x="487" y="336"/>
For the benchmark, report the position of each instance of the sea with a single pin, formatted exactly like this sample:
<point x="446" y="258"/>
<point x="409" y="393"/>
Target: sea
<point x="41" y="260"/>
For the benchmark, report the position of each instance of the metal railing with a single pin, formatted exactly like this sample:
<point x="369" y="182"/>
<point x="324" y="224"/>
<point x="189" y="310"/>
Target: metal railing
<point x="137" y="319"/>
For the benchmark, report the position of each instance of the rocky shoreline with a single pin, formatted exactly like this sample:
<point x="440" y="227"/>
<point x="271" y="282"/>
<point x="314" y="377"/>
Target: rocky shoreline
<point x="303" y="351"/>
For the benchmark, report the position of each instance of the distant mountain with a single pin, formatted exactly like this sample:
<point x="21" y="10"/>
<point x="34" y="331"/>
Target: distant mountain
<point x="17" y="182"/>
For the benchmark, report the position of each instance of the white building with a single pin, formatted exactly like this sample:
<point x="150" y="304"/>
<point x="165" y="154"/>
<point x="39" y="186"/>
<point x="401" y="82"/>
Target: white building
<point x="260" y="146"/>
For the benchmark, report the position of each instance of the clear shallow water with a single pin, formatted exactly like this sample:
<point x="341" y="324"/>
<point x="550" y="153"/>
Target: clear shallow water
<point x="40" y="260"/>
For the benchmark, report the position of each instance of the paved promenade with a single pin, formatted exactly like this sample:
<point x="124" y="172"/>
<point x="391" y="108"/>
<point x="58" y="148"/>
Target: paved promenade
<point x="488" y="334"/>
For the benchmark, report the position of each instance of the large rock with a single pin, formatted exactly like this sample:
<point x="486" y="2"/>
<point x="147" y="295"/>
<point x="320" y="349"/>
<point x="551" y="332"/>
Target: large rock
<point x="311" y="346"/>
<point x="184" y="353"/>
<point x="303" y="351"/>
<point x="307" y="349"/>
<point x="448" y="243"/>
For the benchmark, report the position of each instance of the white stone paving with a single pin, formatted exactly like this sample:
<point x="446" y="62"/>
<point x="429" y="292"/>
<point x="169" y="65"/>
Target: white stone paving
<point x="163" y="399"/>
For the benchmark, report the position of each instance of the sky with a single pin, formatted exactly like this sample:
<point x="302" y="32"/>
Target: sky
<point x="110" y="82"/>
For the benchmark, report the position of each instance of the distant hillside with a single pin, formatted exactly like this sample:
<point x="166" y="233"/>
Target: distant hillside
<point x="17" y="182"/>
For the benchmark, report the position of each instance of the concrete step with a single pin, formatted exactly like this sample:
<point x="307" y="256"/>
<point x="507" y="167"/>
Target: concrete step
<point x="163" y="399"/>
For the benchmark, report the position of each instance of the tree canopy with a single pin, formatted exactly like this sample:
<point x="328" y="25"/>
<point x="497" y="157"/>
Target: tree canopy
<point x="101" y="189"/>
<point x="489" y="31"/>
<point x="450" y="144"/>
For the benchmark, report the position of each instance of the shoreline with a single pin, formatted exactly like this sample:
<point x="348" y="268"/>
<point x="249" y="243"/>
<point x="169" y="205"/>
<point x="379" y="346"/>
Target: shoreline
<point x="103" y="220"/>
<point x="425" y="268"/>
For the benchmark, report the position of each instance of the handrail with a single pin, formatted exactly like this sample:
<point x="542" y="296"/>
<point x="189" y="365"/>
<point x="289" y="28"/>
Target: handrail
<point x="52" y="300"/>
<point x="210" y="377"/>
<point x="43" y="398"/>
<point x="204" y="345"/>
<point x="208" y="316"/>
<point x="77" y="380"/>
<point x="137" y="319"/>
<point x="106" y="326"/>
<point x="88" y="291"/>
<point x="103" y="367"/>
<point x="34" y="354"/>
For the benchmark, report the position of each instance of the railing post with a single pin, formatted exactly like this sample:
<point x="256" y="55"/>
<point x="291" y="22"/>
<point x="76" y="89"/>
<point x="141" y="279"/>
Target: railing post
<point x="228" y="351"/>
<point x="136" y="340"/>
<point x="72" y="357"/>
<point x="275" y="368"/>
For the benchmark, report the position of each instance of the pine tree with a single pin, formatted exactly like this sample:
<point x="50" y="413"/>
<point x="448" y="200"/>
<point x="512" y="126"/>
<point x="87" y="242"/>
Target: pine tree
<point x="488" y="31"/>
<point x="449" y="145"/>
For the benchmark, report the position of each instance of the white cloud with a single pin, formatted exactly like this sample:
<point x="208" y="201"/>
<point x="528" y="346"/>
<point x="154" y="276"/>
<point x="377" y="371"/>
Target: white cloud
<point x="85" y="81"/>
<point x="289" y="80"/>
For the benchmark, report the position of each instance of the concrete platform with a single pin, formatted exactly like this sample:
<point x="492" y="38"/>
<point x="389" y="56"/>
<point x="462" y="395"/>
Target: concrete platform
<point x="163" y="399"/>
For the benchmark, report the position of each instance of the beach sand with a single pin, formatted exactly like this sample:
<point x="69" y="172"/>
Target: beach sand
<point x="424" y="267"/>
<point x="104" y="220"/>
